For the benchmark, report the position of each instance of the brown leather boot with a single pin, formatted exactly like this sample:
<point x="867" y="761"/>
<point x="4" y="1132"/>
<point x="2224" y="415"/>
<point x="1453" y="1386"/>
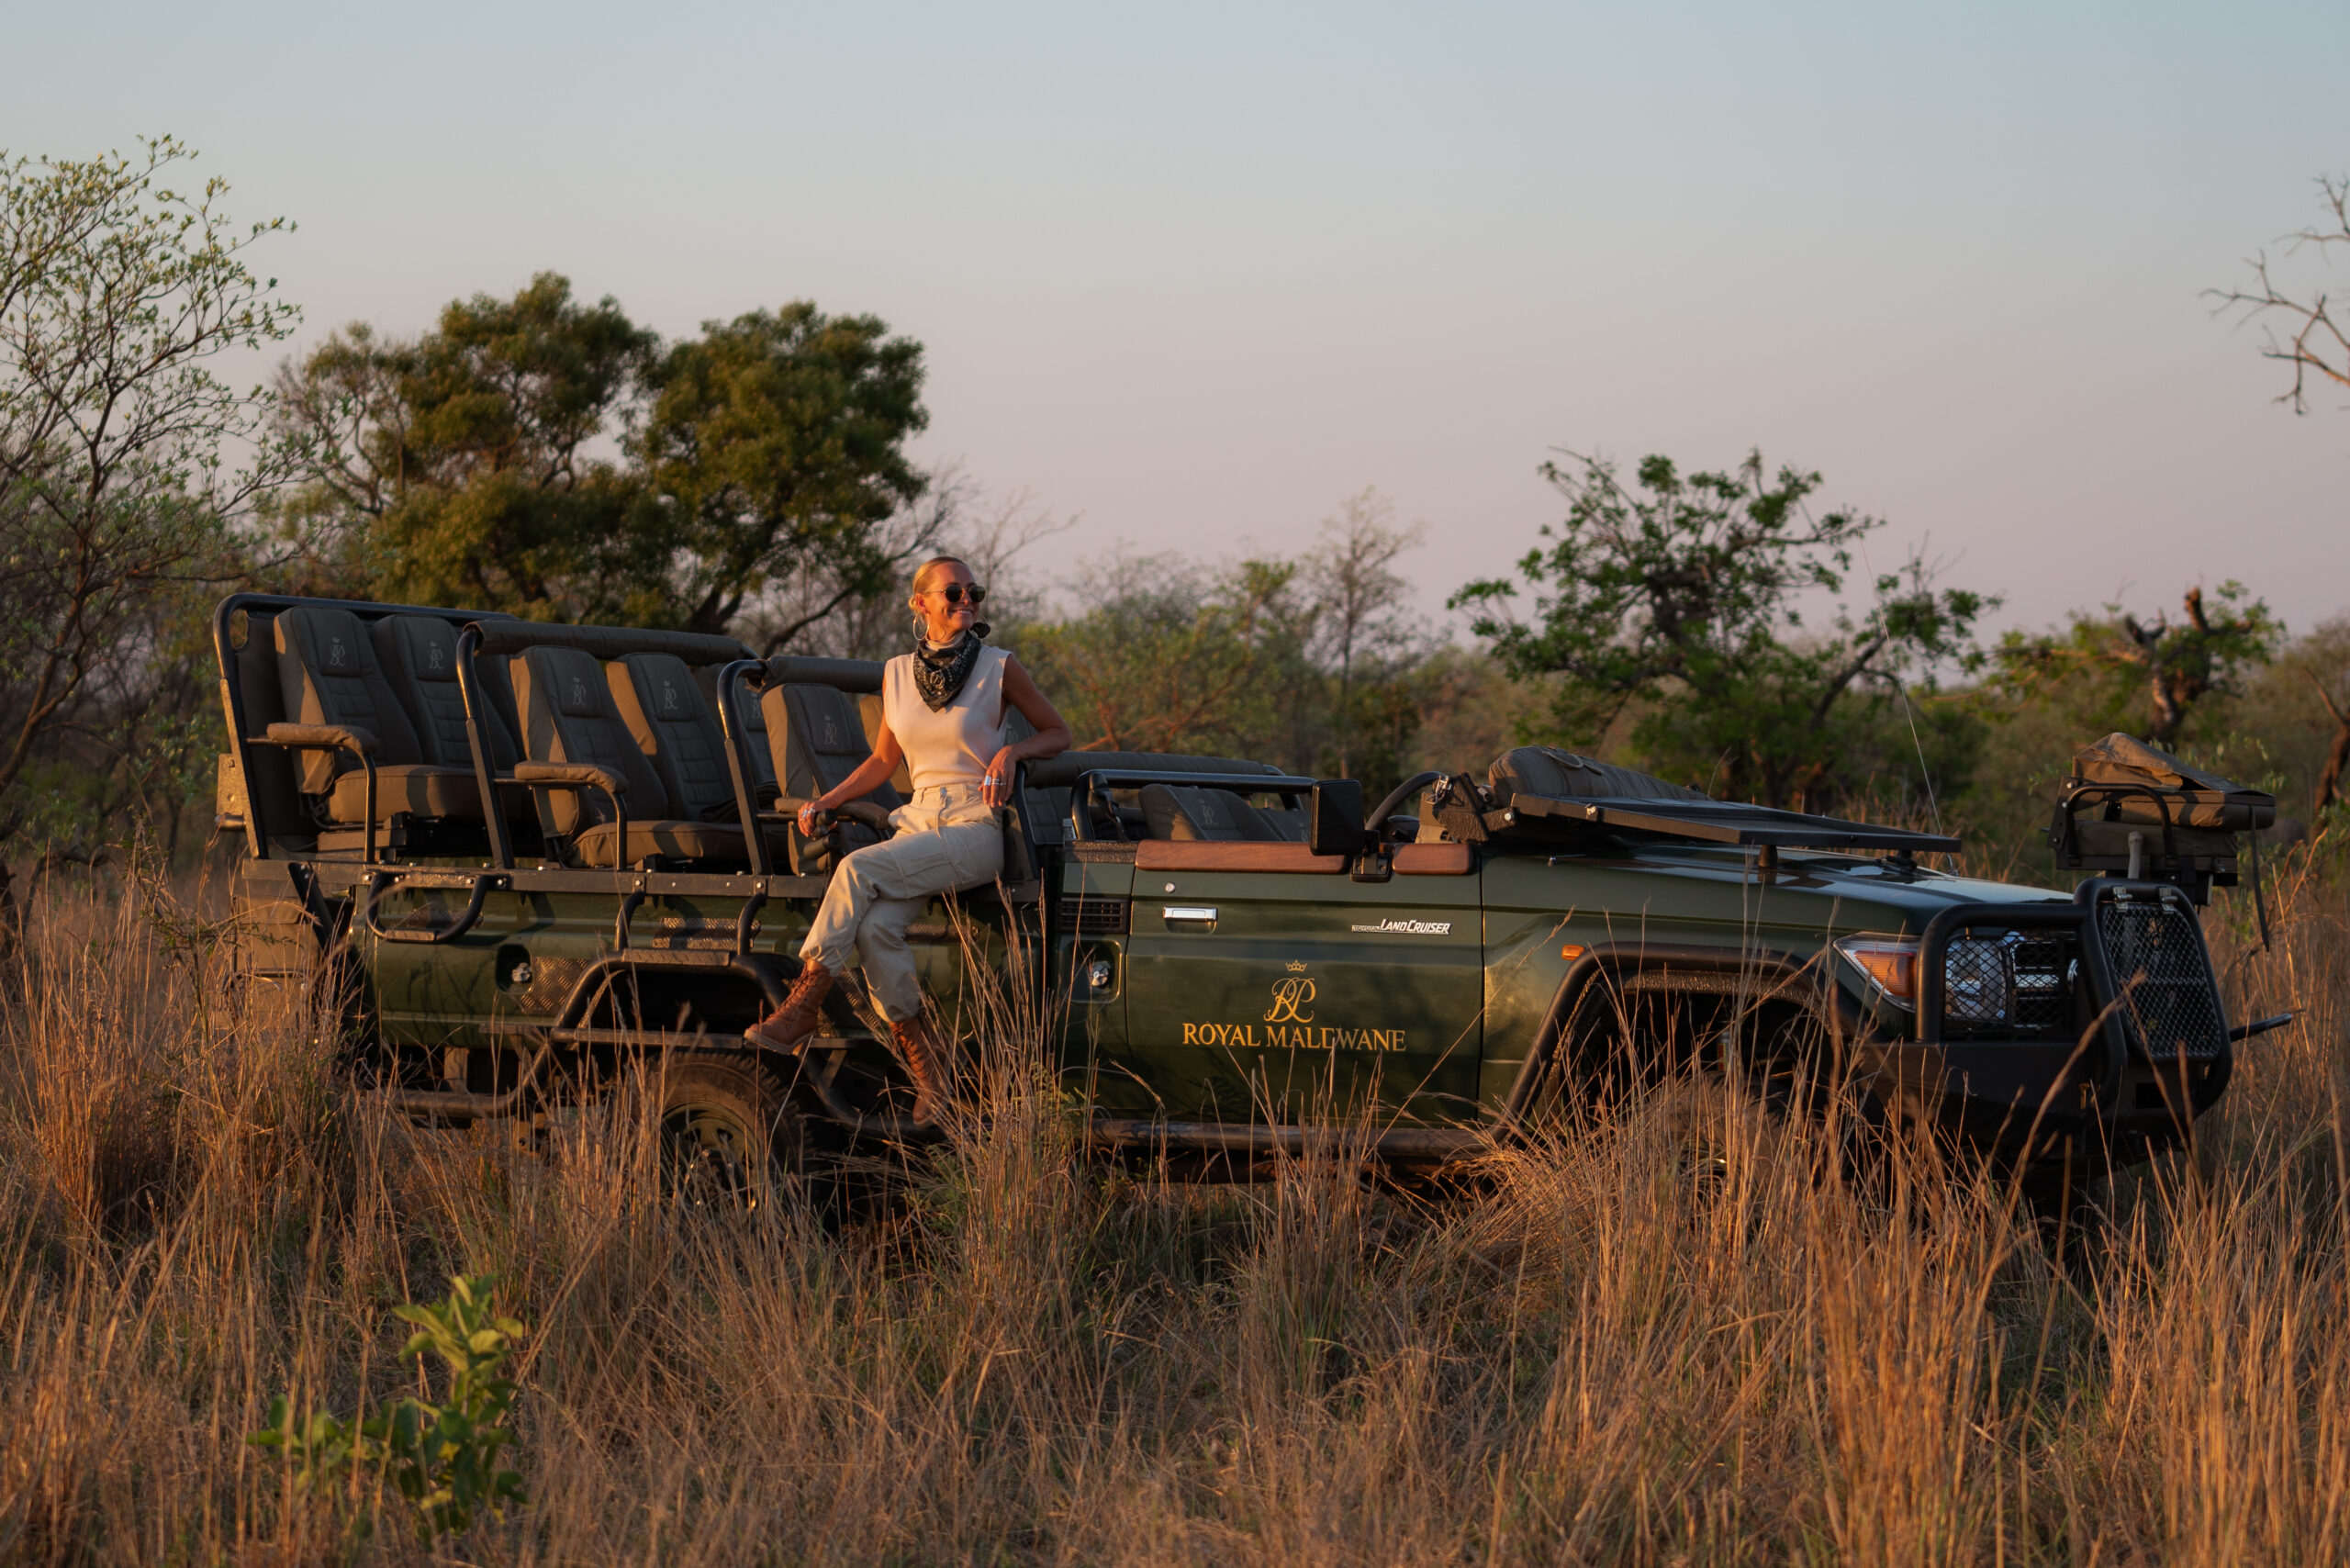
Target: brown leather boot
<point x="926" y="1054"/>
<point x="801" y="1012"/>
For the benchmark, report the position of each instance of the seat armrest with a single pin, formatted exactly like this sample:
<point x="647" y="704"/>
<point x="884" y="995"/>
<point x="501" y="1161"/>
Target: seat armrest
<point x="869" y="813"/>
<point x="578" y="775"/>
<point x="320" y="738"/>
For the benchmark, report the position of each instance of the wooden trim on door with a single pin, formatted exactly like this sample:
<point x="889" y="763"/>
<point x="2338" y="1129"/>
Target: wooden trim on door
<point x="1215" y="855"/>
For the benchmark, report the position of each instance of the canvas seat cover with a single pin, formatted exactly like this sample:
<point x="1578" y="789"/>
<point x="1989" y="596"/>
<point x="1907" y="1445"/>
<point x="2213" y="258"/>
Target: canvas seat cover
<point x="674" y="838"/>
<point x="1561" y="775"/>
<point x="2194" y="798"/>
<point x="572" y="712"/>
<point x="816" y="738"/>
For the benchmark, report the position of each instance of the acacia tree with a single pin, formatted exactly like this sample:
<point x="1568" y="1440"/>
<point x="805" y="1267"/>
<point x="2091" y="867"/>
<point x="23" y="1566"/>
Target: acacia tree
<point x="2313" y="341"/>
<point x="117" y="490"/>
<point x="2171" y="665"/>
<point x="1676" y="596"/>
<point x="1359" y="603"/>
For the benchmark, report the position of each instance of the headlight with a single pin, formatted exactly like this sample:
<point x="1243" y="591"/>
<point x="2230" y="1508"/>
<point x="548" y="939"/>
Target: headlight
<point x="1890" y="964"/>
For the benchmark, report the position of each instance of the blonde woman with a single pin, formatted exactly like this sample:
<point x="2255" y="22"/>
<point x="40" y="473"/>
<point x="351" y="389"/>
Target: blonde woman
<point x="943" y="710"/>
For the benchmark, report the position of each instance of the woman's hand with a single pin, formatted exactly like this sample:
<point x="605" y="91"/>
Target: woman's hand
<point x="808" y="811"/>
<point x="995" y="784"/>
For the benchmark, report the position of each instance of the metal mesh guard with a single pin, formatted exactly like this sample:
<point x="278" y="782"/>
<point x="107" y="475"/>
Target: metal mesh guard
<point x="2170" y="1003"/>
<point x="2014" y="984"/>
<point x="1093" y="917"/>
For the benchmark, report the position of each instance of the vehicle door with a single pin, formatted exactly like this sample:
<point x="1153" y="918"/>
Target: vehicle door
<point x="1265" y="983"/>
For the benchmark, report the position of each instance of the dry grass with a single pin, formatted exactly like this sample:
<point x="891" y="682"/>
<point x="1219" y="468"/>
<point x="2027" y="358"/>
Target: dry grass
<point x="1590" y="1357"/>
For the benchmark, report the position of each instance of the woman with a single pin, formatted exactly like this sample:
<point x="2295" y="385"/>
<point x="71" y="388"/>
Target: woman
<point x="943" y="711"/>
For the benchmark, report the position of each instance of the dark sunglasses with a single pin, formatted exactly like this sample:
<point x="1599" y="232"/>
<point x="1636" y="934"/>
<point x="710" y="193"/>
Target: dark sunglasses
<point x="953" y="593"/>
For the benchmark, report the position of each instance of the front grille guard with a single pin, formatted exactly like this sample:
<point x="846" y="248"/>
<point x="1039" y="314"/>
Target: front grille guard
<point x="2165" y="1012"/>
<point x="2154" y="958"/>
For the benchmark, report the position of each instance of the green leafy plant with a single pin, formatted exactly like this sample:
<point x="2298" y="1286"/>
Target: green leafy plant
<point x="443" y="1458"/>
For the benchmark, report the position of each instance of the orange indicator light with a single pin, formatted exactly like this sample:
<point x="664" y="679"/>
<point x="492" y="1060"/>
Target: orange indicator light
<point x="1571" y="951"/>
<point x="1893" y="965"/>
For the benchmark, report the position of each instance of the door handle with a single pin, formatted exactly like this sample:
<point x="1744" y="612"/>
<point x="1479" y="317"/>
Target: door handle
<point x="1186" y="913"/>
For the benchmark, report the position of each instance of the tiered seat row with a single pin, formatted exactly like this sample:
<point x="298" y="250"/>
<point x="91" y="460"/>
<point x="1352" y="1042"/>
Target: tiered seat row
<point x="582" y="726"/>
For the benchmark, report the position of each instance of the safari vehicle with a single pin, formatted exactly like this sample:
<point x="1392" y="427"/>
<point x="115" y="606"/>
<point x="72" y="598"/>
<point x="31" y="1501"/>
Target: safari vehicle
<point x="526" y="856"/>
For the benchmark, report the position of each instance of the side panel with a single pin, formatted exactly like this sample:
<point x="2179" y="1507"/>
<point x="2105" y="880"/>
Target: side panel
<point x="1088" y="983"/>
<point x="1303" y="992"/>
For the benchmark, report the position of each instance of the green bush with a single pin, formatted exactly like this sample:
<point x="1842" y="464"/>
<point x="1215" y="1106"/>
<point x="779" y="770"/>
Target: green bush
<point x="443" y="1458"/>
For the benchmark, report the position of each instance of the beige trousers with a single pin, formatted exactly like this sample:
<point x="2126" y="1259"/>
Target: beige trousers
<point x="946" y="839"/>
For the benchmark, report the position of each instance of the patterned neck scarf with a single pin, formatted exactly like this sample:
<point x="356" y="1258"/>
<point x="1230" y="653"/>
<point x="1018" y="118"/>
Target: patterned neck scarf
<point x="939" y="673"/>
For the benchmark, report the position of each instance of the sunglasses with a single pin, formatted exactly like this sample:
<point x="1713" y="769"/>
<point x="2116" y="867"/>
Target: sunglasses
<point x="954" y="593"/>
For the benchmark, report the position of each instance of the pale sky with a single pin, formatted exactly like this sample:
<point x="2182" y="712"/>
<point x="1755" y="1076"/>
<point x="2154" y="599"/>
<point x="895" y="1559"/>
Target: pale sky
<point x="1196" y="273"/>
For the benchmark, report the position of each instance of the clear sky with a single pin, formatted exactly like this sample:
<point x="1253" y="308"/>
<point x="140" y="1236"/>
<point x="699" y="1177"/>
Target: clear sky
<point x="1197" y="273"/>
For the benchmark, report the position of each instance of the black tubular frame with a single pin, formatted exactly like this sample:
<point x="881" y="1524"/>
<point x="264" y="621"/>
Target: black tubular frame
<point x="2105" y="1068"/>
<point x="731" y="678"/>
<point x="1376" y="823"/>
<point x="2068" y="806"/>
<point x="502" y="849"/>
<point x="381" y="881"/>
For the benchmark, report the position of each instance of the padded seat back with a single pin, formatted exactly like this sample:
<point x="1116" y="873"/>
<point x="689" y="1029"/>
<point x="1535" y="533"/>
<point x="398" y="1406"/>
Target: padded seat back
<point x="1050" y="782"/>
<point x="328" y="675"/>
<point x="662" y="705"/>
<point x="1185" y="813"/>
<point x="816" y="739"/>
<point x="568" y="716"/>
<point x="419" y="656"/>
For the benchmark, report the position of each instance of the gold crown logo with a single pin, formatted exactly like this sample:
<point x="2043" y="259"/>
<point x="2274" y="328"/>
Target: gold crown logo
<point x="1298" y="966"/>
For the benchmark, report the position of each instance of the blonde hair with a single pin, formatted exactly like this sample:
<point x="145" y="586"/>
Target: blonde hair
<point x="922" y="573"/>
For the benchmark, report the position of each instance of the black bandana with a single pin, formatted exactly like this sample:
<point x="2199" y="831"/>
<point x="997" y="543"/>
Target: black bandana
<point x="939" y="673"/>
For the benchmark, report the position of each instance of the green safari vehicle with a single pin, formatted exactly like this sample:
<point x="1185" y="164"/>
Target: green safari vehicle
<point x="520" y="858"/>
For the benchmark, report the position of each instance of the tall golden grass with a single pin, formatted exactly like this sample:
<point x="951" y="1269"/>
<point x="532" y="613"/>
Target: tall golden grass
<point x="1582" y="1356"/>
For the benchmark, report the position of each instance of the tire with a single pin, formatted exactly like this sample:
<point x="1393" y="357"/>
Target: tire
<point x="730" y="1135"/>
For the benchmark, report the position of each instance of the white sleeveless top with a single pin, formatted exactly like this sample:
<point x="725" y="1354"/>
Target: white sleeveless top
<point x="954" y="744"/>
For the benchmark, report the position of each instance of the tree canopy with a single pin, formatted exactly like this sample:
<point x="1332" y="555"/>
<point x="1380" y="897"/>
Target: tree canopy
<point x="777" y="439"/>
<point x="2146" y="674"/>
<point x="1676" y="599"/>
<point x="550" y="457"/>
<point x="120" y="493"/>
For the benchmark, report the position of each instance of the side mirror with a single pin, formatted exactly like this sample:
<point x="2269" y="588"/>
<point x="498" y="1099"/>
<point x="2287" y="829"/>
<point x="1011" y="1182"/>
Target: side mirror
<point x="1334" y="818"/>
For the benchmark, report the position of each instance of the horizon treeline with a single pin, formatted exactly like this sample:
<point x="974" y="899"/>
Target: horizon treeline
<point x="546" y="455"/>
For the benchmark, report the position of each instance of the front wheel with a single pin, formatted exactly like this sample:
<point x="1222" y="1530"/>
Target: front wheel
<point x="730" y="1135"/>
